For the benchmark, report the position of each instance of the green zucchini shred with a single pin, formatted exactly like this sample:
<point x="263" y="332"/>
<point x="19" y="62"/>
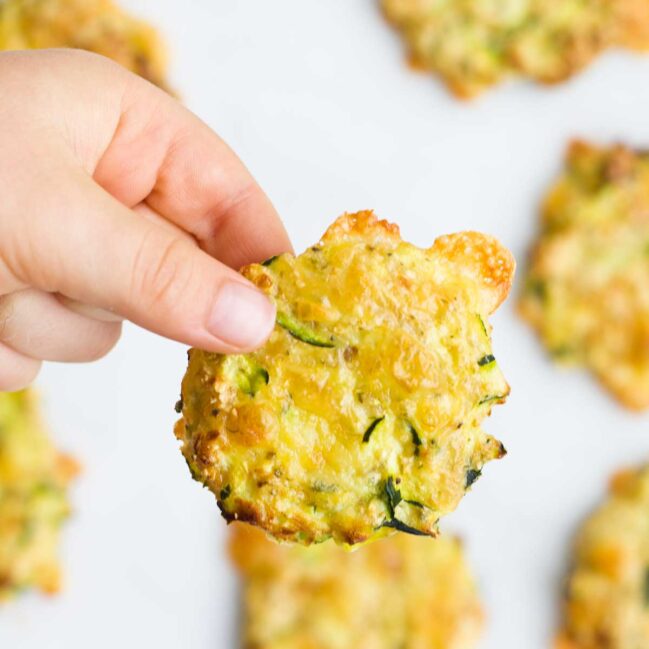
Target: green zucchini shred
<point x="396" y="524"/>
<point x="482" y="325"/>
<point x="249" y="376"/>
<point x="471" y="476"/>
<point x="562" y="351"/>
<point x="302" y="332"/>
<point x="393" y="496"/>
<point x="488" y="359"/>
<point x="537" y="288"/>
<point x="179" y="406"/>
<point x="45" y="489"/>
<point x="321" y="487"/>
<point x="195" y="473"/>
<point x="224" y="494"/>
<point x="416" y="440"/>
<point x="27" y="532"/>
<point x="270" y="260"/>
<point x="491" y="397"/>
<point x="370" y="429"/>
<point x="414" y="503"/>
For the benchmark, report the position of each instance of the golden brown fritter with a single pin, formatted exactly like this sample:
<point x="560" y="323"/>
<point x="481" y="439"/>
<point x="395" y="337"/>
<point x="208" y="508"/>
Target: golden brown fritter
<point x="362" y="413"/>
<point x="475" y="44"/>
<point x="587" y="288"/>
<point x="405" y="593"/>
<point x="95" y="25"/>
<point x="33" y="501"/>
<point x="607" y="597"/>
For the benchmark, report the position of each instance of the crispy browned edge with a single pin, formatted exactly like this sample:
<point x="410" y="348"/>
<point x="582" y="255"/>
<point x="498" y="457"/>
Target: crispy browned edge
<point x="479" y="256"/>
<point x="298" y="530"/>
<point x="484" y="259"/>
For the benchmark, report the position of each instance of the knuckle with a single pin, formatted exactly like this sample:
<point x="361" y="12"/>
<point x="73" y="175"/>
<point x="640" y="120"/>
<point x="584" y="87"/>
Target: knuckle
<point x="17" y="372"/>
<point x="161" y="271"/>
<point x="104" y="342"/>
<point x="6" y="315"/>
<point x="229" y="207"/>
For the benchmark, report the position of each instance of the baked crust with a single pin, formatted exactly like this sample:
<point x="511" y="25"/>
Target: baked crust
<point x="361" y="415"/>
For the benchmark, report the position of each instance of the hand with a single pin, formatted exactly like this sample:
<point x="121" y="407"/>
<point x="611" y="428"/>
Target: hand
<point x="116" y="202"/>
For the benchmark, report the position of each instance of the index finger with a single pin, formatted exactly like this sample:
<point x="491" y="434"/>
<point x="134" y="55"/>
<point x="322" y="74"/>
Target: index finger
<point x="164" y="155"/>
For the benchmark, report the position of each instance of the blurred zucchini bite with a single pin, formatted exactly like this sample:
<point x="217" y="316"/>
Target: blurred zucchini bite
<point x="98" y="26"/>
<point x="607" y="594"/>
<point x="404" y="592"/>
<point x="474" y="44"/>
<point x="33" y="501"/>
<point x="587" y="287"/>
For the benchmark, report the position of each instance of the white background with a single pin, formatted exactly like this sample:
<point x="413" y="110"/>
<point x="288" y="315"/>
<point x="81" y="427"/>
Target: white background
<point x="315" y="97"/>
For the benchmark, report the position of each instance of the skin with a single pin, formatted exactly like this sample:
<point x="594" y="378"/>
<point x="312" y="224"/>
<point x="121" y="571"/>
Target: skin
<point x="119" y="203"/>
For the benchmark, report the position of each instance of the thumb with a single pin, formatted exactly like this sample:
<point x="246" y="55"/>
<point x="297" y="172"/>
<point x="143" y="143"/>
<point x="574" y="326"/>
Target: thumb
<point x="81" y="242"/>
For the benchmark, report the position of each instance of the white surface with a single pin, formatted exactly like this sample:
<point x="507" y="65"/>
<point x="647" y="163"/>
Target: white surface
<point x="316" y="99"/>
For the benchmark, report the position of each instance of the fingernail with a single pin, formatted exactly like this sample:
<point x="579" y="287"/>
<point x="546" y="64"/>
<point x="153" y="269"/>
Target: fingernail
<point x="242" y="316"/>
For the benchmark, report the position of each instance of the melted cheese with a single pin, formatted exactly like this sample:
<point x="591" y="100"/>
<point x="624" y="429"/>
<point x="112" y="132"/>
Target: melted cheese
<point x="366" y="410"/>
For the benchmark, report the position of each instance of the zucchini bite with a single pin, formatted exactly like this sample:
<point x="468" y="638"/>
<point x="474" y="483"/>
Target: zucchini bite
<point x="587" y="287"/>
<point x="607" y="594"/>
<point x="362" y="413"/>
<point x="98" y="26"/>
<point x="404" y="592"/>
<point x="474" y="44"/>
<point x="33" y="500"/>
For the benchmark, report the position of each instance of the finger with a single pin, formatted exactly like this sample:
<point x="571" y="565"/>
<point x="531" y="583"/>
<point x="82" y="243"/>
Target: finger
<point x="148" y="213"/>
<point x="16" y="371"/>
<point x="36" y="324"/>
<point x="96" y="313"/>
<point x="141" y="145"/>
<point x="88" y="311"/>
<point x="106" y="316"/>
<point x="241" y="238"/>
<point x="77" y="240"/>
<point x="169" y="158"/>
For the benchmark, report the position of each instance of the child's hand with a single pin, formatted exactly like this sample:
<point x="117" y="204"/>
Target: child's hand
<point x="116" y="202"/>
